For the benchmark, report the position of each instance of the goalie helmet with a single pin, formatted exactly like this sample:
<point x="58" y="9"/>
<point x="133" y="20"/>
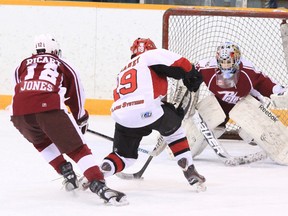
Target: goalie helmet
<point x="46" y="43"/>
<point x="141" y="45"/>
<point x="228" y="59"/>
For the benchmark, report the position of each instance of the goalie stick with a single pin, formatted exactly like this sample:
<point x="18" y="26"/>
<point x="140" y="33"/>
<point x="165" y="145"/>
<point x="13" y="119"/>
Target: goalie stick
<point x="218" y="148"/>
<point x="155" y="152"/>
<point x="184" y="103"/>
<point x="209" y="136"/>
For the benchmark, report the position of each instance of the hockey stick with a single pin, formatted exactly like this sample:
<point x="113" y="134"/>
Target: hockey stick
<point x="138" y="175"/>
<point x="184" y="104"/>
<point x="100" y="134"/>
<point x="155" y="152"/>
<point x="220" y="151"/>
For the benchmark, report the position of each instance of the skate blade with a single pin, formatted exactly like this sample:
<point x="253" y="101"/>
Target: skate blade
<point x="122" y="202"/>
<point x="70" y="187"/>
<point x="199" y="187"/>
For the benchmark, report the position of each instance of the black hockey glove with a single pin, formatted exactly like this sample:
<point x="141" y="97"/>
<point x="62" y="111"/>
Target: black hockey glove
<point x="179" y="110"/>
<point x="83" y="122"/>
<point x="193" y="80"/>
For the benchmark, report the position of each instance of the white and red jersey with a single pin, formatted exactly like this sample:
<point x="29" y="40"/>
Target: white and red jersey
<point x="45" y="82"/>
<point x="250" y="81"/>
<point x="137" y="97"/>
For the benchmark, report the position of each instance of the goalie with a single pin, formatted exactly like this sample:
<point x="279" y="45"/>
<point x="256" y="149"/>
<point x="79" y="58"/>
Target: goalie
<point x="232" y="79"/>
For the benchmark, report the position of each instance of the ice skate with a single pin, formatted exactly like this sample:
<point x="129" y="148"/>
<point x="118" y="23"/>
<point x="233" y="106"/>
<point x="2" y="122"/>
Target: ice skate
<point x="194" y="178"/>
<point x="70" y="178"/>
<point x="109" y="196"/>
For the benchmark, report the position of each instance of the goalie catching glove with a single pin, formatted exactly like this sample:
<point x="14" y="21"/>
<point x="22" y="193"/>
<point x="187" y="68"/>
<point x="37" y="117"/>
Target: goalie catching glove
<point x="280" y="100"/>
<point x="83" y="122"/>
<point x="192" y="80"/>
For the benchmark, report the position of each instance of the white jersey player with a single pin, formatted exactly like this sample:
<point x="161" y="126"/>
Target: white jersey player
<point x="138" y="108"/>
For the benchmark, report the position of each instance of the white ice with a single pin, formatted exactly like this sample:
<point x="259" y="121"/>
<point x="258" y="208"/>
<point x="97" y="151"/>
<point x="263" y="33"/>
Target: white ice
<point x="30" y="187"/>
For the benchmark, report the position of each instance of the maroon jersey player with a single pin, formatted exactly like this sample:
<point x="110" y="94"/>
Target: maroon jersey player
<point x="45" y="87"/>
<point x="230" y="77"/>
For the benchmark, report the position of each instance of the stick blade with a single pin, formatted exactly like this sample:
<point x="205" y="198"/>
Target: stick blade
<point x="129" y="176"/>
<point x="247" y="159"/>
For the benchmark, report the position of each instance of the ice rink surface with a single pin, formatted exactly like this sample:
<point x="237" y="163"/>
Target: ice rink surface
<point x="30" y="187"/>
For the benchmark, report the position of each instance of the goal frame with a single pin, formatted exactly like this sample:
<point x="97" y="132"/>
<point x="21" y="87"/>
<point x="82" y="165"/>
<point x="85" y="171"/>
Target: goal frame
<point x="218" y="11"/>
<point x="281" y="14"/>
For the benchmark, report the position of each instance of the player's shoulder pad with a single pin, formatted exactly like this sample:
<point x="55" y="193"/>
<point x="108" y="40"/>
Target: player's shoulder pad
<point x="160" y="56"/>
<point x="206" y="63"/>
<point x="248" y="64"/>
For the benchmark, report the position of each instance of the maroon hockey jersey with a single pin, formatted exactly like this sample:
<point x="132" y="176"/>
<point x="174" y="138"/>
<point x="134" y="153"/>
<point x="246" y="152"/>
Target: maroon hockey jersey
<point x="45" y="82"/>
<point x="250" y="81"/>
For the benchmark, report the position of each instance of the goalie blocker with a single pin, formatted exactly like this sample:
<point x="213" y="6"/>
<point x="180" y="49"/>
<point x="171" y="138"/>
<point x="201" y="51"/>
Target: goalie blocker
<point x="261" y="124"/>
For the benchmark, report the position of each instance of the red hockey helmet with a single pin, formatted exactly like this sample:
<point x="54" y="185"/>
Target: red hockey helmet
<point x="141" y="45"/>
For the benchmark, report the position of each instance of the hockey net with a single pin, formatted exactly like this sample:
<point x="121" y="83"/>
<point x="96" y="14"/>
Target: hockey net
<point x="195" y="33"/>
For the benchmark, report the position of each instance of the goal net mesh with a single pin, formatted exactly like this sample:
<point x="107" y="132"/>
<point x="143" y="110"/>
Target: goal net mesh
<point x="195" y="33"/>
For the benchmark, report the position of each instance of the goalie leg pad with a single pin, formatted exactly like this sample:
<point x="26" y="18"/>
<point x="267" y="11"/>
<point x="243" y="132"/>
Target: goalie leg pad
<point x="261" y="124"/>
<point x="213" y="115"/>
<point x="195" y="137"/>
<point x="211" y="111"/>
<point x="246" y="137"/>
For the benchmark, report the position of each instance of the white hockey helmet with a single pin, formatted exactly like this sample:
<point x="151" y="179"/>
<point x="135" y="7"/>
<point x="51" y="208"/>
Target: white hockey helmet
<point x="46" y="43"/>
<point x="228" y="59"/>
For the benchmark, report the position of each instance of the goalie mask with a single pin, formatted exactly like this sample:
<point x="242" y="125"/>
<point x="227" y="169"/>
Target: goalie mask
<point x="46" y="43"/>
<point x="228" y="60"/>
<point x="141" y="45"/>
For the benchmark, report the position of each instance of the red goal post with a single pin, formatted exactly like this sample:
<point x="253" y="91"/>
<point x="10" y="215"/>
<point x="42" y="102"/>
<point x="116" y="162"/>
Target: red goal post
<point x="262" y="35"/>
